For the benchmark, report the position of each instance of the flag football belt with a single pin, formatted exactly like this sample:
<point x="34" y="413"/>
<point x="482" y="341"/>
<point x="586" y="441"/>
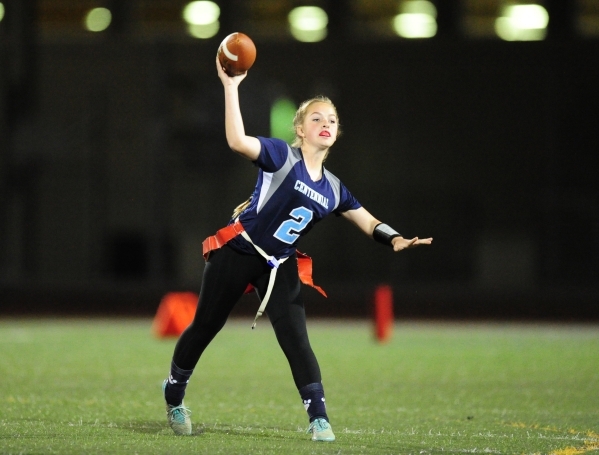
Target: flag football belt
<point x="304" y="262"/>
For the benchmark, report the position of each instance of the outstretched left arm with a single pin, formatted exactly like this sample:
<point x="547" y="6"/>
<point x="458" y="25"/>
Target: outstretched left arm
<point x="367" y="223"/>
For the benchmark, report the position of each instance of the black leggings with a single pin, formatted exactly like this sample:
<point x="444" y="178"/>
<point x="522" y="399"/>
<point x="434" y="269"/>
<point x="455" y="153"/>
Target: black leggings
<point x="226" y="276"/>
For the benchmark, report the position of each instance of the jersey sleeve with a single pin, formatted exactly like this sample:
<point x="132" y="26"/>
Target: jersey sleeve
<point x="347" y="201"/>
<point x="273" y="154"/>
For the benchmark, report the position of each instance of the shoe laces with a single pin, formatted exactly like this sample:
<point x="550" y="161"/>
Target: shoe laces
<point x="318" y="425"/>
<point x="179" y="413"/>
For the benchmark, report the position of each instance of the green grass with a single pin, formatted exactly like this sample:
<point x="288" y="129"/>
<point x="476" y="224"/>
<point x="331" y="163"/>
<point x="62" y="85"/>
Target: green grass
<point x="93" y="387"/>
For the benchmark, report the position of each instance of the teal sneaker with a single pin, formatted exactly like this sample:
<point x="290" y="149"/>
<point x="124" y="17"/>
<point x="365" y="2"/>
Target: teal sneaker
<point x="178" y="417"/>
<point x="321" y="430"/>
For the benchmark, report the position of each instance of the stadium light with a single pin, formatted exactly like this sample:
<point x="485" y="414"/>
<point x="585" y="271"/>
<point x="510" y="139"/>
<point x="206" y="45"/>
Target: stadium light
<point x="1" y="11"/>
<point x="202" y="19"/>
<point x="97" y="19"/>
<point x="203" y="31"/>
<point x="522" y="23"/>
<point x="308" y="23"/>
<point x="416" y="19"/>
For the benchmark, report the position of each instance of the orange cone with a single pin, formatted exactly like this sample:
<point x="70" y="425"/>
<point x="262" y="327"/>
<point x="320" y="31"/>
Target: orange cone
<point x="175" y="313"/>
<point x="383" y="313"/>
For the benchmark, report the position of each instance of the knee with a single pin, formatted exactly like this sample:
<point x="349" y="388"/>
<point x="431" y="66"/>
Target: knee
<point x="292" y="336"/>
<point x="204" y="329"/>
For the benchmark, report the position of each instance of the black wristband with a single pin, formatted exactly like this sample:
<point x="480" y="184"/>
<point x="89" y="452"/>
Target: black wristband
<point x="383" y="233"/>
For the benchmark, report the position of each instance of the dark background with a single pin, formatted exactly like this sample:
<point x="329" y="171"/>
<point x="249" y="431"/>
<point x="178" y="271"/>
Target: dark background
<point x="114" y="166"/>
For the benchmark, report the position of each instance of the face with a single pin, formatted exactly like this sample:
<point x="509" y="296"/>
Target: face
<point x="319" y="127"/>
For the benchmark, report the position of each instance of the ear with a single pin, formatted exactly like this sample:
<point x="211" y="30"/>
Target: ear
<point x="299" y="131"/>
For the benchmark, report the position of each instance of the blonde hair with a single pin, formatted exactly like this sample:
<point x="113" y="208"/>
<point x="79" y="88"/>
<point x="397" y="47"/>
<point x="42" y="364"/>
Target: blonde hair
<point x="241" y="207"/>
<point x="300" y="115"/>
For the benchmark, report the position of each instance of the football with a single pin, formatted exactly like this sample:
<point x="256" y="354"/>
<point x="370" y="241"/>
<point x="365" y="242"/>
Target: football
<point x="237" y="53"/>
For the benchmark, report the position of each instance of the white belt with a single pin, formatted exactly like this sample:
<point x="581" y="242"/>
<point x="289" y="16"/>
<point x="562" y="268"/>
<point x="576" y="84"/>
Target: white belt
<point x="274" y="263"/>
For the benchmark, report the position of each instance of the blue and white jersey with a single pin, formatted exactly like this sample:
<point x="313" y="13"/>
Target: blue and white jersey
<point x="286" y="202"/>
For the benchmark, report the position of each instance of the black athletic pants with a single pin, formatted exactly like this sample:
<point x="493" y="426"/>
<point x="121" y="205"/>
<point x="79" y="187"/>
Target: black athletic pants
<point x="226" y="276"/>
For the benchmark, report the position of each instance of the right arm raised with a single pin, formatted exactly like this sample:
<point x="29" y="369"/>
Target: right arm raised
<point x="247" y="146"/>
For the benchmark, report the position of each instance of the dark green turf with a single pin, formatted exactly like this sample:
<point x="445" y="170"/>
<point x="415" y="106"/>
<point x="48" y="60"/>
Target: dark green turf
<point x="93" y="387"/>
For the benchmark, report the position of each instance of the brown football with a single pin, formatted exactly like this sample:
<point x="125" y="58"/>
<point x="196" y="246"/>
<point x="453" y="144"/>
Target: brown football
<point x="237" y="53"/>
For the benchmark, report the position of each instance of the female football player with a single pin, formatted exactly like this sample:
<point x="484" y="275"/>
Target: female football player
<point x="258" y="248"/>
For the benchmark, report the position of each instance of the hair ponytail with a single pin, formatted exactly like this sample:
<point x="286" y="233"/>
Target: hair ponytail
<point x="241" y="207"/>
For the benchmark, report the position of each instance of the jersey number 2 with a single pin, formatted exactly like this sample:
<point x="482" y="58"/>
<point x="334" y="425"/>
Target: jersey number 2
<point x="288" y="231"/>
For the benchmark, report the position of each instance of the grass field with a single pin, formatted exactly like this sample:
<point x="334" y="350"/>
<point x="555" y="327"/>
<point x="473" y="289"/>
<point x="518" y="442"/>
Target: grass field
<point x="93" y="387"/>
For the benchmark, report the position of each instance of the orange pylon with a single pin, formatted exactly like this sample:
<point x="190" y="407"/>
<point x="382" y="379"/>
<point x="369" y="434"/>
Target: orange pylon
<point x="383" y="313"/>
<point x="175" y="313"/>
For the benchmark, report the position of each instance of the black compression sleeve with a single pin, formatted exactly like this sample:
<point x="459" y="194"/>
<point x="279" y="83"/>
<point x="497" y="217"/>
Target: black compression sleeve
<point x="383" y="233"/>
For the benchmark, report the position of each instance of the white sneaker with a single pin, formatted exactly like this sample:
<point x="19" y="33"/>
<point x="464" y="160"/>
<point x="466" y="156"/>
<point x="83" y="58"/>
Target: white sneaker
<point x="178" y="417"/>
<point x="321" y="430"/>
